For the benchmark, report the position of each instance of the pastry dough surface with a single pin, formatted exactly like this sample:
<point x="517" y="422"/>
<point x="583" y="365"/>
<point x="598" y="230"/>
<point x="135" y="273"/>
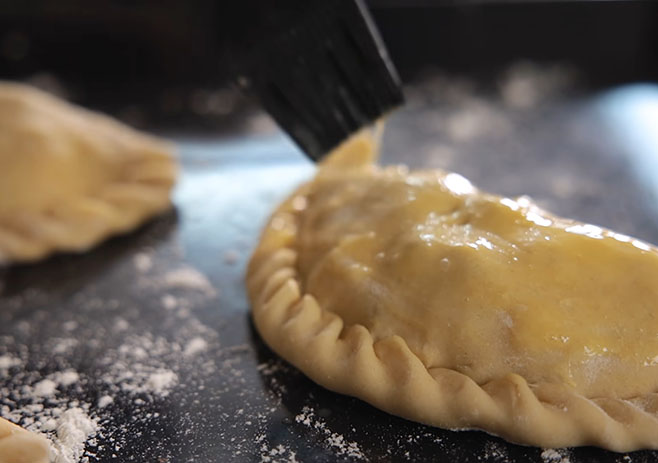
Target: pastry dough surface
<point x="69" y="178"/>
<point x="443" y="304"/>
<point x="20" y="446"/>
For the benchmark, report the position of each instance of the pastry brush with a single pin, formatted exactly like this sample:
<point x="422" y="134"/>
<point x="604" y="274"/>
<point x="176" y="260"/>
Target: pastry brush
<point x="319" y="68"/>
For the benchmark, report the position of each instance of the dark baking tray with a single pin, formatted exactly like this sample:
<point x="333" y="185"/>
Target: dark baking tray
<point x="584" y="155"/>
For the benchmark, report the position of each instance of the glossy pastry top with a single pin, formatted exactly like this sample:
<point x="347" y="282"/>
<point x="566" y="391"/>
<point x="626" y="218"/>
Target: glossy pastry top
<point x="475" y="282"/>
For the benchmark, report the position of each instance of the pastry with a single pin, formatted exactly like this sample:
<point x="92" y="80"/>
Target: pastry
<point x="443" y="304"/>
<point x="20" y="446"/>
<point x="70" y="178"/>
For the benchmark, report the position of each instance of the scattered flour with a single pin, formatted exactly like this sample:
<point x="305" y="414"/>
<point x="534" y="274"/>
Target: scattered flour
<point x="143" y="368"/>
<point x="65" y="378"/>
<point x="555" y="456"/>
<point x="121" y="324"/>
<point x="105" y="401"/>
<point x="188" y="278"/>
<point x="7" y="361"/>
<point x="161" y="382"/>
<point x="63" y="345"/>
<point x="169" y="302"/>
<point x="196" y="345"/>
<point x="70" y="325"/>
<point x="333" y="440"/>
<point x="143" y="262"/>
<point x="277" y="454"/>
<point x="74" y="427"/>
<point x="45" y="388"/>
<point x="137" y="367"/>
<point x="495" y="452"/>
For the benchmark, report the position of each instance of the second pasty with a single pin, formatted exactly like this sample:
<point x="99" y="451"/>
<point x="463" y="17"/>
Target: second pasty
<point x="70" y="178"/>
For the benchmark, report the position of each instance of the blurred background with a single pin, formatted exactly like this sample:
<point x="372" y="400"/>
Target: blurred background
<point x="160" y="63"/>
<point x="537" y="92"/>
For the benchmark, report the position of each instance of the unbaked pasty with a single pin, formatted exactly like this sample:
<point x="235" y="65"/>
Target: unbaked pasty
<point x="20" y="446"/>
<point x="70" y="178"/>
<point x="437" y="302"/>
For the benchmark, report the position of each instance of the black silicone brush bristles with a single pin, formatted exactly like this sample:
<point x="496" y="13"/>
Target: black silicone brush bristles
<point x="323" y="72"/>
